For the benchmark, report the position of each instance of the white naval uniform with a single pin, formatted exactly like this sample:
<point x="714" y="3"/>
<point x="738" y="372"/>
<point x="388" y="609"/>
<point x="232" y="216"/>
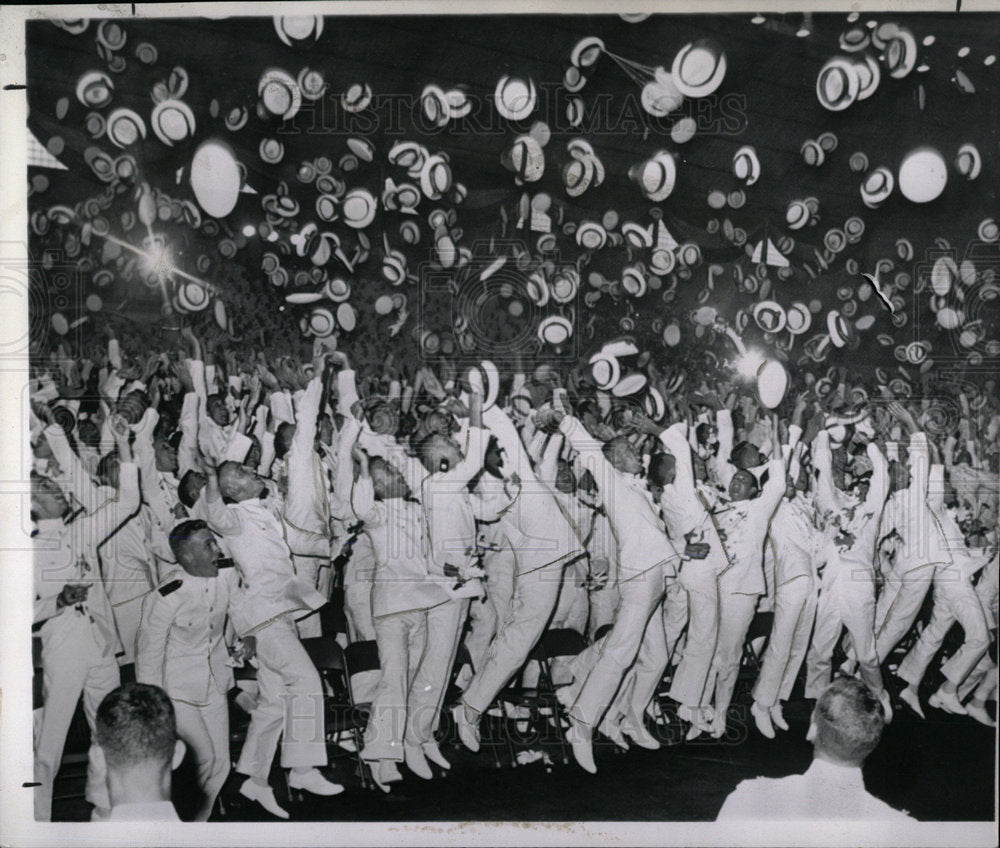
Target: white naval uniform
<point x="955" y="599"/>
<point x="646" y="557"/>
<point x="270" y="594"/>
<point x="79" y="643"/>
<point x="742" y="583"/>
<point x="307" y="506"/>
<point x="695" y="599"/>
<point x="407" y="586"/>
<point x="181" y="648"/>
<point x="542" y="540"/>
<point x="847" y="593"/>
<point x="796" y="543"/>
<point x="451" y="529"/>
<point x="923" y="549"/>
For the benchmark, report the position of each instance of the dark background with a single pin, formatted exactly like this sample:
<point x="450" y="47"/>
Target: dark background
<point x="767" y="100"/>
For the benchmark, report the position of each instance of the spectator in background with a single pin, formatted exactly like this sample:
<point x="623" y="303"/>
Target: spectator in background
<point x="845" y="728"/>
<point x="137" y="745"/>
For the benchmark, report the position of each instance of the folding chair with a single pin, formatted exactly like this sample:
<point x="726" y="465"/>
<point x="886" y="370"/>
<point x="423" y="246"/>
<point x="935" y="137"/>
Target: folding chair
<point x="342" y="715"/>
<point x="541" y="701"/>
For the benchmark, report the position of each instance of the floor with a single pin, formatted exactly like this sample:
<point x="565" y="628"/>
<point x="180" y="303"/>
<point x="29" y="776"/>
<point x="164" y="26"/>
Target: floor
<point x="938" y="769"/>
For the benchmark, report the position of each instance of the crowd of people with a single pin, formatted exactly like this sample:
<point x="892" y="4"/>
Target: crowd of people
<point x="458" y="505"/>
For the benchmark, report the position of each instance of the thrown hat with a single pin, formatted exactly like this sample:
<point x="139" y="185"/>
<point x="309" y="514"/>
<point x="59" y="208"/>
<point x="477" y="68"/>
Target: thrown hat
<point x="358" y="208"/>
<point x="485" y="378"/>
<point x="125" y="127"/>
<point x="837" y="84"/>
<point x="746" y="165"/>
<point x="901" y="53"/>
<point x="772" y="383"/>
<point x="555" y="330"/>
<point x="95" y="89"/>
<point x="311" y="83"/>
<point x="923" y="175"/>
<point x="292" y="28"/>
<point x="172" y="121"/>
<point x="838" y="328"/>
<point x="191" y="296"/>
<point x="215" y="178"/>
<point x="515" y="98"/>
<point x="656" y="177"/>
<point x="877" y="186"/>
<point x="797" y="214"/>
<point x="968" y="161"/>
<point x="698" y="68"/>
<point x="280" y="93"/>
<point x="770" y="316"/>
<point x="357" y="98"/>
<point x="322" y="322"/>
<point x="630" y="384"/>
<point x="869" y="75"/>
<point x="525" y="158"/>
<point x="605" y="370"/>
<point x="798" y="318"/>
<point x="586" y="51"/>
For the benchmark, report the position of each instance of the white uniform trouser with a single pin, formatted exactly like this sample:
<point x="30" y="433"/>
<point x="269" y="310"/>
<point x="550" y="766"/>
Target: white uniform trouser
<point x="736" y="611"/>
<point x="603" y="603"/>
<point x="360" y="628"/>
<point x="427" y="689"/>
<point x="401" y="638"/>
<point x="640" y="681"/>
<point x="701" y="598"/>
<point x="795" y="603"/>
<point x="290" y="705"/>
<point x="898" y="606"/>
<point x="610" y="657"/>
<point x="317" y="571"/>
<point x="486" y="616"/>
<point x="205" y="731"/>
<point x="572" y="606"/>
<point x="846" y="599"/>
<point x="519" y="628"/>
<point x="675" y="621"/>
<point x="954" y="600"/>
<point x="72" y="663"/>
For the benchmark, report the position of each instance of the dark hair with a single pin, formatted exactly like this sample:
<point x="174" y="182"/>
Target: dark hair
<point x="283" y="438"/>
<point x="136" y="724"/>
<point x="739" y="457"/>
<point x="849" y="721"/>
<point x="186" y="489"/>
<point x="182" y="532"/>
<point x="105" y="463"/>
<point x="660" y="464"/>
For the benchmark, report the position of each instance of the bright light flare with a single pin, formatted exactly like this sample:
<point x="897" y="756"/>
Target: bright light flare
<point x="748" y="364"/>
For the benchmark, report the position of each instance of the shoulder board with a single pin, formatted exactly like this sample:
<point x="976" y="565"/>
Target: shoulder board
<point x="172" y="586"/>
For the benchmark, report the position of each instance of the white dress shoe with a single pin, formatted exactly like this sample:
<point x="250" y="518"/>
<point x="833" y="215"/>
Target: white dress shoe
<point x="912" y="700"/>
<point x="947" y="701"/>
<point x="417" y="762"/>
<point x="762" y="718"/>
<point x="313" y="781"/>
<point x="433" y="753"/>
<point x="581" y="741"/>
<point x="467" y="731"/>
<point x="640" y="736"/>
<point x="980" y="714"/>
<point x="778" y="717"/>
<point x="263" y="795"/>
<point x="613" y="731"/>
<point x="385" y="772"/>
